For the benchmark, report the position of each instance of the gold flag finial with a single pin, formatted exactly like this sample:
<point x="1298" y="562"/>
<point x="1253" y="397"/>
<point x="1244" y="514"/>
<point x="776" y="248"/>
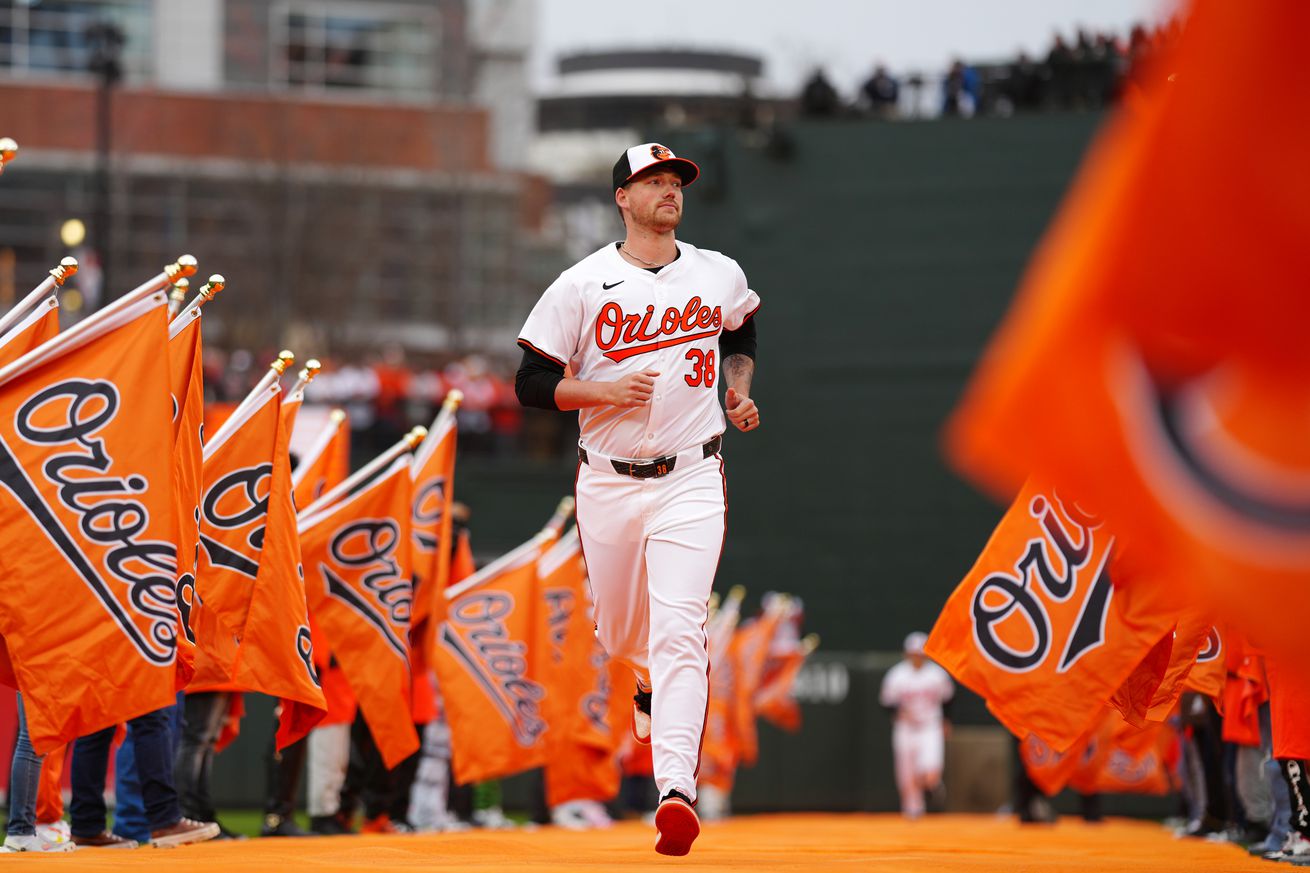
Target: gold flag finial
<point x="8" y="151"/>
<point x="810" y="643"/>
<point x="338" y="415"/>
<point x="312" y="366"/>
<point x="714" y="601"/>
<point x="67" y="267"/>
<point x="416" y="436"/>
<point x="182" y="268"/>
<point x="180" y="289"/>
<point x="454" y="398"/>
<point x="737" y="592"/>
<point x="566" y="506"/>
<point x="211" y="288"/>
<point x="284" y="360"/>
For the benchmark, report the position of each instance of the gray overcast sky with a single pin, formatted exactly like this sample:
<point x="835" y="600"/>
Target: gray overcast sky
<point x="846" y="36"/>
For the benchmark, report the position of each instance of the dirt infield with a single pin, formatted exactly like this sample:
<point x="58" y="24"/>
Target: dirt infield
<point x="977" y="844"/>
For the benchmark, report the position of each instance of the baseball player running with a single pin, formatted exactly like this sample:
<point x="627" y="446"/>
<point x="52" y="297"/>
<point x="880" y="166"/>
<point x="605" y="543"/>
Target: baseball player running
<point x="917" y="689"/>
<point x="648" y="328"/>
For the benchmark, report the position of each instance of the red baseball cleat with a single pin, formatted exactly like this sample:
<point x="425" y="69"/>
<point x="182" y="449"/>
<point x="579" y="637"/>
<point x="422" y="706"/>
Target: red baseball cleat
<point x="677" y="823"/>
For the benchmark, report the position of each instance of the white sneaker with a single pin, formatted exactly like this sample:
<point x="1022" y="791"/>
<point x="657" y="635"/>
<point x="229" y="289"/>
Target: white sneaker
<point x="55" y="831"/>
<point x="594" y="812"/>
<point x="570" y="816"/>
<point x="34" y="843"/>
<point x="1296" y="846"/>
<point x="493" y="818"/>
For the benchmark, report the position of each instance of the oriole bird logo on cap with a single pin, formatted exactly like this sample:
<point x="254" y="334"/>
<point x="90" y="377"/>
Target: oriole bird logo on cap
<point x="660" y="153"/>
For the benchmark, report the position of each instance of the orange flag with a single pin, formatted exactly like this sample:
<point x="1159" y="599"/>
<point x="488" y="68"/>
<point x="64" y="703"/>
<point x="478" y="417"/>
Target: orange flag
<point x="484" y="668"/>
<point x="433" y="473"/>
<point x="186" y="378"/>
<point x="1209" y="673"/>
<point x="574" y="667"/>
<point x="1131" y="760"/>
<point x="326" y="463"/>
<point x="1195" y="642"/>
<point x="276" y="655"/>
<point x="1050" y="770"/>
<point x="357" y="577"/>
<point x="87" y="510"/>
<point x="751" y="646"/>
<point x="1147" y="368"/>
<point x="1289" y="708"/>
<point x="31" y="322"/>
<point x="1038" y="629"/>
<point x="236" y="481"/>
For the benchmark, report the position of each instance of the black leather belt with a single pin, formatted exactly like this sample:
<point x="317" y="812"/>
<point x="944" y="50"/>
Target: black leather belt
<point x="658" y="467"/>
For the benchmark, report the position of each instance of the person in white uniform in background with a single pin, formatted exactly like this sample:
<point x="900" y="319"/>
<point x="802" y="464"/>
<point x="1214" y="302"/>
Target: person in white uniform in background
<point x="917" y="689"/>
<point x="640" y="337"/>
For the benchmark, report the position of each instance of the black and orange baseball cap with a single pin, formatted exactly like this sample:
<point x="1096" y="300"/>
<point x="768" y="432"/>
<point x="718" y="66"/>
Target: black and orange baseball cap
<point x="642" y="157"/>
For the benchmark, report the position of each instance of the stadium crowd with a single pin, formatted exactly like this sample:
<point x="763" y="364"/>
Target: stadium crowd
<point x="1084" y="71"/>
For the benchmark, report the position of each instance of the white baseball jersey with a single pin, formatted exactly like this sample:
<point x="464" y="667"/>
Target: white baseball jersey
<point x="918" y="694"/>
<point x="606" y="318"/>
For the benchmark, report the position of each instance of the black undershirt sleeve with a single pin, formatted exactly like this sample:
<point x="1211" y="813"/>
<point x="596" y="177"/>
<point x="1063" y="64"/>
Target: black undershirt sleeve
<point x="537" y="379"/>
<point x="738" y="342"/>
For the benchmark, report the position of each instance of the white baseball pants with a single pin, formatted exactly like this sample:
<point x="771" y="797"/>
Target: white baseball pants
<point x="329" y="756"/>
<point x="919" y="752"/>
<point x="652" y="547"/>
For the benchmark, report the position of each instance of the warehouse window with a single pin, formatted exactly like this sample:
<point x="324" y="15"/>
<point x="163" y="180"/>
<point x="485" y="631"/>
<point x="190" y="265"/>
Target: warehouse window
<point x="41" y="38"/>
<point x="374" y="46"/>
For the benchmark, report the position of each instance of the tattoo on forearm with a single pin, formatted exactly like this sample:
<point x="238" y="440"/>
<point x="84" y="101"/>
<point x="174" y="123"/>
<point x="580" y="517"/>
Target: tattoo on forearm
<point x="738" y="370"/>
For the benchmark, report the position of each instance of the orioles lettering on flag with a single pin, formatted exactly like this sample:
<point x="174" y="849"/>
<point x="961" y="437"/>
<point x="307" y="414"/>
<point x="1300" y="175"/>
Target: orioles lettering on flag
<point x="1209" y="672"/>
<point x="38" y="323"/>
<point x="237" y="476"/>
<point x="86" y="510"/>
<point x="574" y="668"/>
<point x="325" y="464"/>
<point x="433" y="473"/>
<point x="1129" y="373"/>
<point x="356" y="555"/>
<point x="276" y="655"/>
<point x="1037" y="627"/>
<point x="1051" y="770"/>
<point x="1131" y="760"/>
<point x="484" y="667"/>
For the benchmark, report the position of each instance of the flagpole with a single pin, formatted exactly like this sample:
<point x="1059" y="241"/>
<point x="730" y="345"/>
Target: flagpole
<point x="275" y="370"/>
<point x="191" y="311"/>
<point x="809" y="644"/>
<point x="67" y="268"/>
<point x="440" y="424"/>
<point x="312" y="366"/>
<point x="365" y="473"/>
<point x="178" y="295"/>
<point x="563" y="512"/>
<point x="89" y="327"/>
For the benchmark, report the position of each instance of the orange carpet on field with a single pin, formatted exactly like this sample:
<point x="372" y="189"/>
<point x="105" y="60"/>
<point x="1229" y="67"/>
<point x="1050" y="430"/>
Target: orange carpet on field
<point x="978" y="844"/>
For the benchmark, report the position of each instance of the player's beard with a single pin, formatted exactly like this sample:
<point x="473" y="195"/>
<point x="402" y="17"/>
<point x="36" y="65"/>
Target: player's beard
<point x="660" y="220"/>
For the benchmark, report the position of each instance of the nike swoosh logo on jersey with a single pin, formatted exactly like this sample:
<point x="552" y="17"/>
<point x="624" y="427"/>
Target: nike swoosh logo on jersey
<point x="612" y="284"/>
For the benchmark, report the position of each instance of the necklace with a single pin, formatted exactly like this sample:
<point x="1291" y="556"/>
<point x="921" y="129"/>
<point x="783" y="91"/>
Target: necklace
<point x="623" y="247"/>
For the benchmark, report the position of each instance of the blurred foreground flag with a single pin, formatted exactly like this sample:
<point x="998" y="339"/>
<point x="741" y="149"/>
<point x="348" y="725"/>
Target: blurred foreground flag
<point x="1038" y="629"/>
<point x="86" y="511"/>
<point x="1155" y="363"/>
